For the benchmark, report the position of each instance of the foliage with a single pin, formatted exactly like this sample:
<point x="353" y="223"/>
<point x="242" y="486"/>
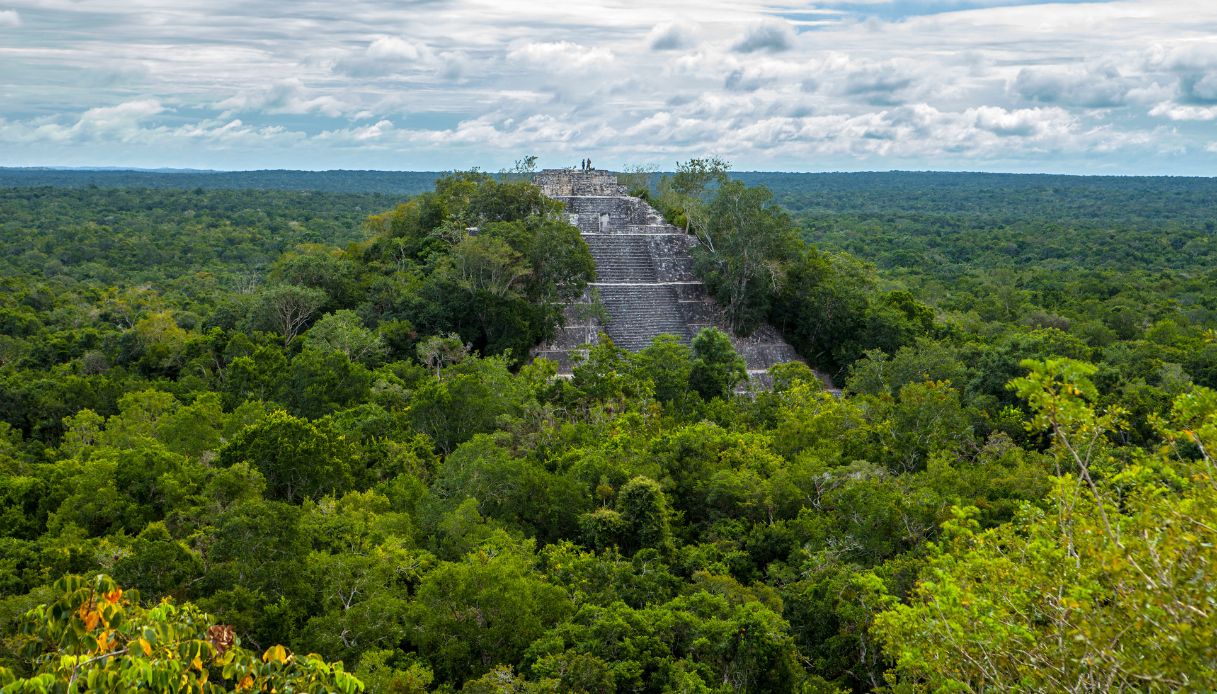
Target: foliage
<point x="395" y="489"/>
<point x="492" y="262"/>
<point x="745" y="248"/>
<point x="683" y="194"/>
<point x="298" y="458"/>
<point x="95" y="636"/>
<point x="1101" y="591"/>
<point x="716" y="368"/>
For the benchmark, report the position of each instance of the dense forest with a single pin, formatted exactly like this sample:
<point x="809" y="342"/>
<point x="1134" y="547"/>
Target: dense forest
<point x="397" y="183"/>
<point x="265" y="439"/>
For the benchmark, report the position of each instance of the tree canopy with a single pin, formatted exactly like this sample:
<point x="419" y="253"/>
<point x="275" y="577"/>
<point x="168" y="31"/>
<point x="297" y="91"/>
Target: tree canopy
<point x="1012" y="491"/>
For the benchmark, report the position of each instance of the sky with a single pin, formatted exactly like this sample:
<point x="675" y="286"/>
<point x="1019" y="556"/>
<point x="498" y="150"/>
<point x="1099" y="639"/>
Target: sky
<point x="1121" y="87"/>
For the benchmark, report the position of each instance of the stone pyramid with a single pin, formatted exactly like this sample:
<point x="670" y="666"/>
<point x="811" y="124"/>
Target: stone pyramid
<point x="644" y="277"/>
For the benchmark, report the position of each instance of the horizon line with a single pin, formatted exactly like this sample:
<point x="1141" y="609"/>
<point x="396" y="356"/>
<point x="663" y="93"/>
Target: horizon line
<point x="171" y="171"/>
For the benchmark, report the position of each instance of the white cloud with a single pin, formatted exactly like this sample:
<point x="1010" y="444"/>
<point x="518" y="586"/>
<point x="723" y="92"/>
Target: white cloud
<point x="393" y="48"/>
<point x="288" y="96"/>
<point x="670" y="36"/>
<point x="1183" y="112"/>
<point x="368" y="134"/>
<point x="560" y="56"/>
<point x="881" y="84"/>
<point x="403" y="57"/>
<point x="430" y="82"/>
<point x="228" y="134"/>
<point x="1088" y="86"/>
<point x="9" y="18"/>
<point x="121" y="122"/>
<point x="771" y="36"/>
<point x="1027" y="122"/>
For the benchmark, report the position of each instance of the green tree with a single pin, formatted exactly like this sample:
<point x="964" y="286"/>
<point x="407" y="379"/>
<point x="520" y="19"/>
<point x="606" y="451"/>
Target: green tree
<point x="288" y="308"/>
<point x="717" y="368"/>
<point x="260" y="377"/>
<point x="343" y="331"/>
<point x="438" y="351"/>
<point x="486" y="609"/>
<point x="468" y="398"/>
<point x="511" y="489"/>
<point x="684" y="192"/>
<point x="668" y="362"/>
<point x="1102" y="591"/>
<point x="746" y="245"/>
<point x="645" y="516"/>
<point x="320" y="382"/>
<point x="319" y="267"/>
<point x="300" y="459"/>
<point x="94" y="636"/>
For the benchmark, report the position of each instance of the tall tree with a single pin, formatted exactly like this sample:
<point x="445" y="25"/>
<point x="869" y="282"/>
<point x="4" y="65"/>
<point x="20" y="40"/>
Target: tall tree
<point x="747" y="244"/>
<point x="717" y="367"/>
<point x="300" y="459"/>
<point x="287" y="308"/>
<point x="685" y="191"/>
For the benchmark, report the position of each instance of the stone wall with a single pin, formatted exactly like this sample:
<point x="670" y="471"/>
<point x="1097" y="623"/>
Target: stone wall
<point x="563" y="182"/>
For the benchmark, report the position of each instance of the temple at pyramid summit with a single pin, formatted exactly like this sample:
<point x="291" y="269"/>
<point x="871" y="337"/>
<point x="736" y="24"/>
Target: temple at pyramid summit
<point x="644" y="277"/>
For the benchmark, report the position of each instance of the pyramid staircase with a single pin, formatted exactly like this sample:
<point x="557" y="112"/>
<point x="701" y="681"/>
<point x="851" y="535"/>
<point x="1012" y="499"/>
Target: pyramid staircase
<point x="644" y="278"/>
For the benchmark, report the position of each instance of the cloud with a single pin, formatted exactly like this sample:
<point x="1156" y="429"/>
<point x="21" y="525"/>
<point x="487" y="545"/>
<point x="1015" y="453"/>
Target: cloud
<point x="1098" y="87"/>
<point x="288" y="96"/>
<point x="669" y="36"/>
<point x="1027" y="122"/>
<point x="925" y="83"/>
<point x="921" y="130"/>
<point x="1198" y="88"/>
<point x="106" y="116"/>
<point x="560" y="56"/>
<point x="769" y="36"/>
<point x="1193" y="66"/>
<point x="368" y="134"/>
<point x="1184" y="112"/>
<point x="1184" y="56"/>
<point x="399" y="56"/>
<point x="880" y="85"/>
<point x="9" y="18"/>
<point x="232" y="133"/>
<point x="744" y="81"/>
<point x="395" y="49"/>
<point x="121" y="122"/>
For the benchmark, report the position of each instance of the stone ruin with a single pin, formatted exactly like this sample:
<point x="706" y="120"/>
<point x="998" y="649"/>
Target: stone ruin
<point x="644" y="278"/>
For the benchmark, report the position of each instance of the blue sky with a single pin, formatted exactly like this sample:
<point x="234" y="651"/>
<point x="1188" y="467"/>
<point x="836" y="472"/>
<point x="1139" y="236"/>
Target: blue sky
<point x="1125" y="87"/>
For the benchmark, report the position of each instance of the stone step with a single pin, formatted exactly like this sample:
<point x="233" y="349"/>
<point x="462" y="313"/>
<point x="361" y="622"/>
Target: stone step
<point x="640" y="312"/>
<point x="622" y="258"/>
<point x="700" y="311"/>
<point x="573" y="336"/>
<point x="651" y="229"/>
<point x="619" y="210"/>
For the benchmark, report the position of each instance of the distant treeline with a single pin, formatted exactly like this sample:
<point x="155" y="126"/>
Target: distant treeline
<point x="997" y="197"/>
<point x="404" y="183"/>
<point x="992" y="196"/>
